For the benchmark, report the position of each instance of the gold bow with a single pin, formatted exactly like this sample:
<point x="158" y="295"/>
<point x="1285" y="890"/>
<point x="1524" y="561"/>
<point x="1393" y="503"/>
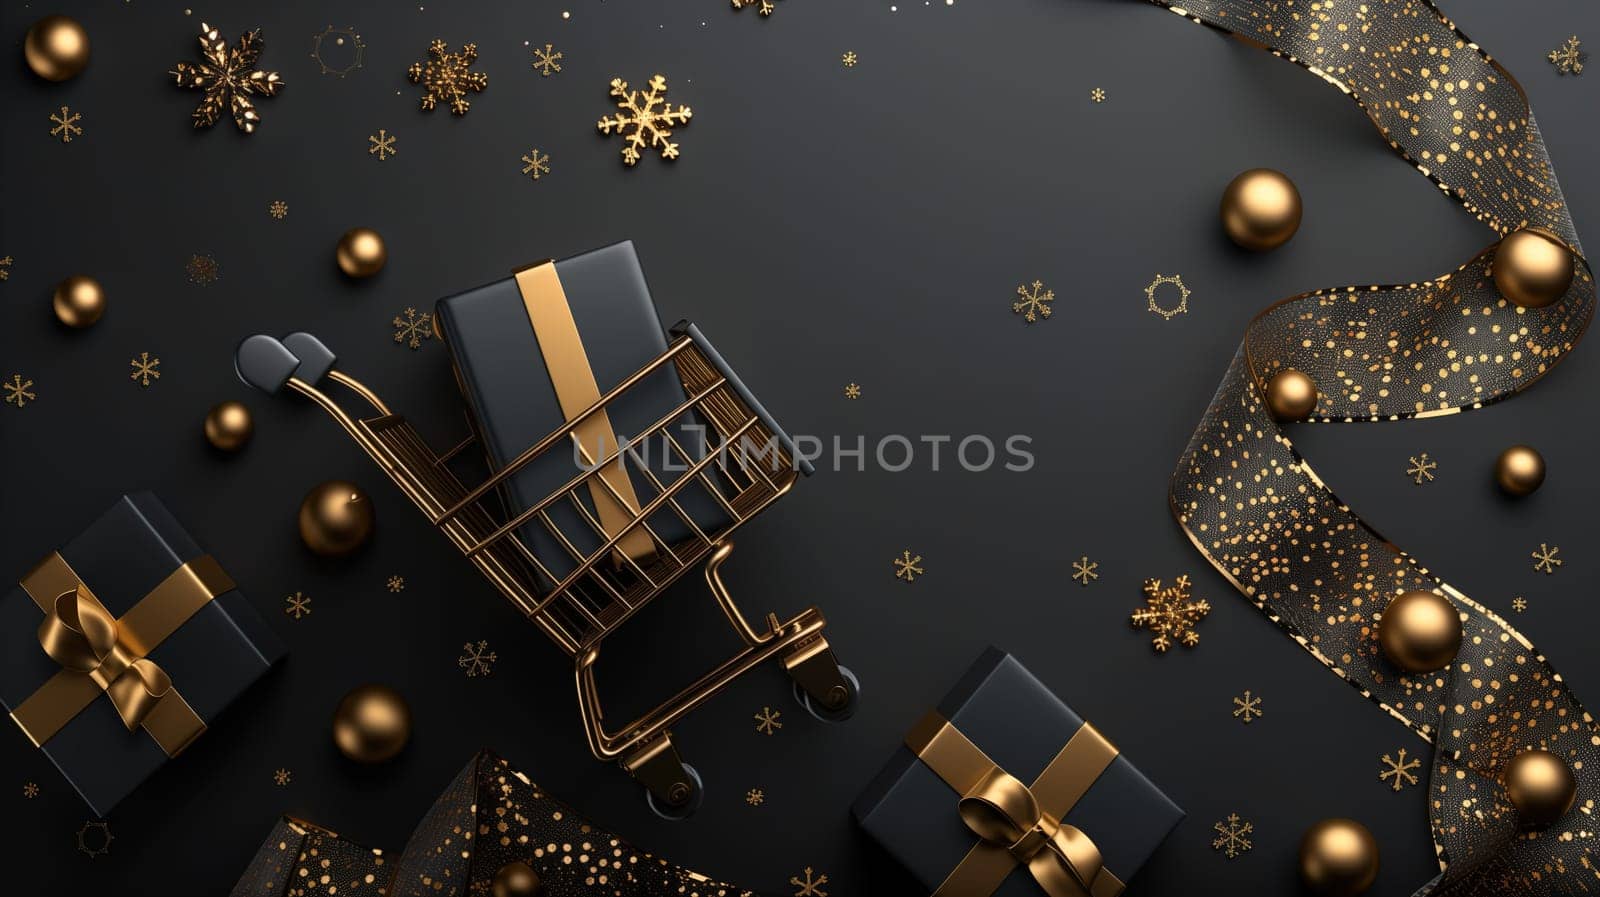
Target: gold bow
<point x="101" y="654"/>
<point x="1018" y="824"/>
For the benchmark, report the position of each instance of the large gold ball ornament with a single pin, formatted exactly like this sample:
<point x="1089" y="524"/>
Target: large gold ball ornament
<point x="1532" y="268"/>
<point x="1420" y="631"/>
<point x="1291" y="395"/>
<point x="1519" y="470"/>
<point x="372" y="724"/>
<point x="1338" y="858"/>
<point x="361" y="252"/>
<point x="78" y="301"/>
<point x="335" y="518"/>
<point x="1541" y="786"/>
<point x="229" y="426"/>
<point x="56" y="48"/>
<point x="517" y="879"/>
<point x="1261" y="209"/>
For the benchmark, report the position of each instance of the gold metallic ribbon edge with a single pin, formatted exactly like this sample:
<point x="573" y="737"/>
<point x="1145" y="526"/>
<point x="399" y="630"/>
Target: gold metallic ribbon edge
<point x="1586" y="317"/>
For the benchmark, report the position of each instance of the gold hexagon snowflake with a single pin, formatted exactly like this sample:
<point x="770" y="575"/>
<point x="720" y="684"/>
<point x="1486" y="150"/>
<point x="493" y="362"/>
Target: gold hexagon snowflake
<point x="646" y="119"/>
<point x="447" y="77"/>
<point x="1171" y="613"/>
<point x="228" y="77"/>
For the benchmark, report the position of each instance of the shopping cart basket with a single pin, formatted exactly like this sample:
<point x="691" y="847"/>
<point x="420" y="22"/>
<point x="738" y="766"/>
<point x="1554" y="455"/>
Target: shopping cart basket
<point x="747" y="462"/>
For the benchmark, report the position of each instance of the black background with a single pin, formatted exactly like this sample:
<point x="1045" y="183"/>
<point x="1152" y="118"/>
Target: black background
<point x="824" y="225"/>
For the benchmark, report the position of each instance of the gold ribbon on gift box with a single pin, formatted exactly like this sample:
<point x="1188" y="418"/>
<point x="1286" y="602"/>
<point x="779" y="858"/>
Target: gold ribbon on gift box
<point x="101" y="654"/>
<point x="1019" y="824"/>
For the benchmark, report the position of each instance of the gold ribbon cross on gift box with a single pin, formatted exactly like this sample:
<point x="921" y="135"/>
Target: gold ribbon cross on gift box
<point x="1019" y="824"/>
<point x="101" y="654"/>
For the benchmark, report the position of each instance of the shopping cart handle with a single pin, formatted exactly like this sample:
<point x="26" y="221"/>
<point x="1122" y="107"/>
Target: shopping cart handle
<point x="267" y="363"/>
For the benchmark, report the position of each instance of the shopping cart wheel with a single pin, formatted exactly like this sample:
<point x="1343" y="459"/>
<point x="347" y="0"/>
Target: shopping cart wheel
<point x="695" y="796"/>
<point x="846" y="708"/>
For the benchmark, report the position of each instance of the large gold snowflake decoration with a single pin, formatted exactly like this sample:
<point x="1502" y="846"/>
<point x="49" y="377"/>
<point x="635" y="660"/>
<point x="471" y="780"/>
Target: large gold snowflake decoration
<point x="446" y="77"/>
<point x="1171" y="613"/>
<point x="228" y="77"/>
<point x="646" y="119"/>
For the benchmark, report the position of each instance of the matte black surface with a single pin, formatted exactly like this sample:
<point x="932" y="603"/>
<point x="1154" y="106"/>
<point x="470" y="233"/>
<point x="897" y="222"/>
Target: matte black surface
<point x="824" y="225"/>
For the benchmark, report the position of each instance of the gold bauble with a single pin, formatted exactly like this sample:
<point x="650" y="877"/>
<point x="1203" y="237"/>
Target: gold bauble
<point x="1338" y="858"/>
<point x="1420" y="631"/>
<point x="79" y="301"/>
<point x="1291" y="395"/>
<point x="1519" y="470"/>
<point x="1532" y="268"/>
<point x="56" y="48"/>
<point x="1541" y="786"/>
<point x="517" y="879"/>
<point x="361" y="252"/>
<point x="229" y="425"/>
<point x="335" y="518"/>
<point x="1261" y="209"/>
<point x="372" y="724"/>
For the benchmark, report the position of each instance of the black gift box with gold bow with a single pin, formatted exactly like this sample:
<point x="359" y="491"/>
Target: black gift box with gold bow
<point x="117" y="650"/>
<point x="1004" y="791"/>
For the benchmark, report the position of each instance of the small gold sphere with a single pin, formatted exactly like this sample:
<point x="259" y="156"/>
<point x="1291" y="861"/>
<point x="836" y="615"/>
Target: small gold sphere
<point x="79" y="301"/>
<point x="361" y="252"/>
<point x="229" y="426"/>
<point x="517" y="879"/>
<point x="1420" y="631"/>
<point x="1541" y="787"/>
<point x="335" y="518"/>
<point x="1338" y="858"/>
<point x="1291" y="395"/>
<point x="372" y="724"/>
<point x="1261" y="209"/>
<point x="1532" y="268"/>
<point x="1519" y="470"/>
<point x="57" y="48"/>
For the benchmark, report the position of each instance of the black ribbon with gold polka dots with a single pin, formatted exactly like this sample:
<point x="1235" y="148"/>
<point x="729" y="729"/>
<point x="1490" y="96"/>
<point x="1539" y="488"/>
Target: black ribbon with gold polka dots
<point x="1260" y="514"/>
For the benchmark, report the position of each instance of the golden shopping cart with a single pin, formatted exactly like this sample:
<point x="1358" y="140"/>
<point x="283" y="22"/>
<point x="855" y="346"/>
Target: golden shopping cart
<point x="746" y="463"/>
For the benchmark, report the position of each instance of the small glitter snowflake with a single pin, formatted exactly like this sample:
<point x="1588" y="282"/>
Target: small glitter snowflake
<point x="279" y="209"/>
<point x="1519" y="604"/>
<point x="849" y="59"/>
<point x="478" y="661"/>
<point x="755" y="797"/>
<point x="297" y="605"/>
<point x="852" y="391"/>
<point x="202" y="270"/>
<point x="1421" y="469"/>
<point x="66" y="124"/>
<point x="547" y="61"/>
<point x="144" y="369"/>
<point x="381" y="145"/>
<point x="646" y="119"/>
<point x="1231" y="836"/>
<point x="397" y="583"/>
<point x="1170" y="613"/>
<point x="1083" y="570"/>
<point x="282" y="777"/>
<point x="764" y="6"/>
<point x="810" y="884"/>
<point x="907" y="567"/>
<point x="1545" y="560"/>
<point x="1399" y="770"/>
<point x="767" y="721"/>
<point x="229" y="78"/>
<point x="1098" y="95"/>
<point x="535" y="164"/>
<point x="412" y="328"/>
<point x="95" y="838"/>
<point x="1167" y="311"/>
<point x="448" y="77"/>
<point x="30" y="790"/>
<point x="1033" y="304"/>
<point x="17" y="391"/>
<point x="1247" y="708"/>
<point x="1568" y="58"/>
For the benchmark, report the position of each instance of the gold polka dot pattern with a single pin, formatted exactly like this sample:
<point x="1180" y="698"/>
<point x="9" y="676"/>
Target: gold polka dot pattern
<point x="489" y="816"/>
<point x="1260" y="514"/>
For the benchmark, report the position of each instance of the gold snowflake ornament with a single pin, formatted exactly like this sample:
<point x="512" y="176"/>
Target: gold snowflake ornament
<point x="765" y="7"/>
<point x="145" y="369"/>
<point x="755" y="797"/>
<point x="381" y="145"/>
<point x="1421" y="469"/>
<point x="1232" y="836"/>
<point x="282" y="777"/>
<point x="18" y="391"/>
<point x="1568" y="58"/>
<point x="1084" y="570"/>
<point x="1034" y="303"/>
<point x="907" y="567"/>
<point x="1399" y="770"/>
<point x="1247" y="708"/>
<point x="535" y="164"/>
<point x="447" y="77"/>
<point x="1171" y="613"/>
<point x="1545" y="559"/>
<point x="646" y="119"/>
<point x="229" y="78"/>
<point x="810" y="884"/>
<point x="411" y="328"/>
<point x="297" y="605"/>
<point x="767" y="721"/>
<point x="66" y="124"/>
<point x="547" y="61"/>
<point x="478" y="661"/>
